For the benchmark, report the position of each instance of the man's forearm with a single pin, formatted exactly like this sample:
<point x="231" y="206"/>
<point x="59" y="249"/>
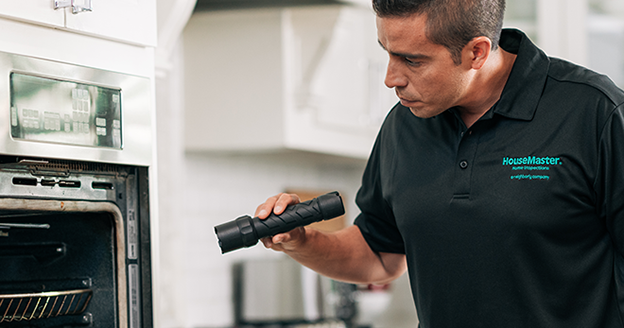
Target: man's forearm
<point x="344" y="255"/>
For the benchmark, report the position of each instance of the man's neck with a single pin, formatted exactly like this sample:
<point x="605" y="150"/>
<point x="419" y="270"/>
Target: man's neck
<point x="488" y="86"/>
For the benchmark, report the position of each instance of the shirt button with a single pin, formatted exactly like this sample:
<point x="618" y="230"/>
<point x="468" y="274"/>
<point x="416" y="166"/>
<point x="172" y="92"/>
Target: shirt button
<point x="463" y="164"/>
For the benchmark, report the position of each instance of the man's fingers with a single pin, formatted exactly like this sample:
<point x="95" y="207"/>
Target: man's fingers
<point x="283" y="201"/>
<point x="276" y="204"/>
<point x="265" y="209"/>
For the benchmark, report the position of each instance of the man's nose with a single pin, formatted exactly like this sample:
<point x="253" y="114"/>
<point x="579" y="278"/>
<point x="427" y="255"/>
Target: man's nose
<point x="394" y="77"/>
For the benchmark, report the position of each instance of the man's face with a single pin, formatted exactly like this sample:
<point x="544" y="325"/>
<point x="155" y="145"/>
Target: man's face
<point x="423" y="74"/>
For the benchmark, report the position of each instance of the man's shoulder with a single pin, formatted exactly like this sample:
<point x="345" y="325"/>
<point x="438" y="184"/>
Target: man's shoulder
<point x="566" y="72"/>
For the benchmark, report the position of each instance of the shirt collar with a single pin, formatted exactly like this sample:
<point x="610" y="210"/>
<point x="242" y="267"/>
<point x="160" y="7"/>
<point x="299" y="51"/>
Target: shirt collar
<point x="524" y="87"/>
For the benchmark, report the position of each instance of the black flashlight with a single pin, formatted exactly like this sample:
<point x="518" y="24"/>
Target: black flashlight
<point x="245" y="231"/>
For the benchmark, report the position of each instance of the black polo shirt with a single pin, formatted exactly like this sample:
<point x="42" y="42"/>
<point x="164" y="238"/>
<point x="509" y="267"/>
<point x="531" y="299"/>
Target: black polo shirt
<point x="517" y="221"/>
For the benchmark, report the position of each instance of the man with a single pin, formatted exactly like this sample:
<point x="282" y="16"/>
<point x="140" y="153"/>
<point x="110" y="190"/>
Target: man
<point x="497" y="182"/>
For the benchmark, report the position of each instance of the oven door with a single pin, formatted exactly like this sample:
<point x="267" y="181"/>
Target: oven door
<point x="74" y="244"/>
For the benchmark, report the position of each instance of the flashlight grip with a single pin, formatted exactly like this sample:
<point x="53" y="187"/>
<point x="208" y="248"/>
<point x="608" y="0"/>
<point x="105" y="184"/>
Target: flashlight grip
<point x="246" y="231"/>
<point x="324" y="207"/>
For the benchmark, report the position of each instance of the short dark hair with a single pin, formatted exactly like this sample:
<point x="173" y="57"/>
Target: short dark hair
<point x="451" y="23"/>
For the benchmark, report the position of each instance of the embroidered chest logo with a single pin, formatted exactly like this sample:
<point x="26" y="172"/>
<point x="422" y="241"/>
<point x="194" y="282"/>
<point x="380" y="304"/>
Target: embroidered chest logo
<point x="531" y="167"/>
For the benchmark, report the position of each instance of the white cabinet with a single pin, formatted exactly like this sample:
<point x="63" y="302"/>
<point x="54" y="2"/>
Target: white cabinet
<point x="130" y="21"/>
<point x="36" y="11"/>
<point x="302" y="78"/>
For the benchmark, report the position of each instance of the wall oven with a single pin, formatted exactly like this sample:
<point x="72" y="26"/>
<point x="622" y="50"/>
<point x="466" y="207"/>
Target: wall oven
<point x="75" y="148"/>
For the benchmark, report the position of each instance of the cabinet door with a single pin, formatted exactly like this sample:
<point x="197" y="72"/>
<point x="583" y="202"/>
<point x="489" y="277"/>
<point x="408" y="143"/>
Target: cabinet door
<point x="132" y="21"/>
<point x="34" y="11"/>
<point x="335" y="71"/>
<point x="339" y="67"/>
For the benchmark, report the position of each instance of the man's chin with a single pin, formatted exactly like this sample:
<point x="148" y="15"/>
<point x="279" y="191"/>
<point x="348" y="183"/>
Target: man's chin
<point x="422" y="113"/>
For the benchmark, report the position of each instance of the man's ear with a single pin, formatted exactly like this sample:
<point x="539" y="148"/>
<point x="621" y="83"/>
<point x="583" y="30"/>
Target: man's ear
<point x="477" y="51"/>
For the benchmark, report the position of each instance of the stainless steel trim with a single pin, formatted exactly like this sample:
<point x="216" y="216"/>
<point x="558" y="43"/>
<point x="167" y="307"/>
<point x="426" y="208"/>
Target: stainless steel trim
<point x="136" y="112"/>
<point x="135" y="300"/>
<point x="84" y="192"/>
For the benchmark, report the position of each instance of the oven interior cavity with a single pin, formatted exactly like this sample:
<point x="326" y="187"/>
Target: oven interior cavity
<point x="57" y="269"/>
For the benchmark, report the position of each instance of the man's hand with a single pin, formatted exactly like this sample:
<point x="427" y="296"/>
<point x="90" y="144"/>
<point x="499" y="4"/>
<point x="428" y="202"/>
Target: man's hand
<point x="284" y="241"/>
<point x="342" y="255"/>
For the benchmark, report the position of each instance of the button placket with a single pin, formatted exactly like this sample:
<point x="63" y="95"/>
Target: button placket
<point x="465" y="155"/>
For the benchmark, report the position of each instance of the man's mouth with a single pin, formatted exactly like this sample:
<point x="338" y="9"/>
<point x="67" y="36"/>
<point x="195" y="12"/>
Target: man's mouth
<point x="408" y="102"/>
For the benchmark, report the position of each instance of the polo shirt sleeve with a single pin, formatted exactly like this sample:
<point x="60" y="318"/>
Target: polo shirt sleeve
<point x="609" y="183"/>
<point x="376" y="220"/>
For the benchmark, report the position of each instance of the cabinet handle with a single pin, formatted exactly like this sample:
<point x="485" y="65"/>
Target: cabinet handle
<point x="62" y="3"/>
<point x="77" y="6"/>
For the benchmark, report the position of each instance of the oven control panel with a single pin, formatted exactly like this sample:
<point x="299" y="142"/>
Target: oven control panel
<point x="50" y="110"/>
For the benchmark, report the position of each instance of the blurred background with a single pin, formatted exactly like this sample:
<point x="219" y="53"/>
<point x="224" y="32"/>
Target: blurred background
<point x="258" y="97"/>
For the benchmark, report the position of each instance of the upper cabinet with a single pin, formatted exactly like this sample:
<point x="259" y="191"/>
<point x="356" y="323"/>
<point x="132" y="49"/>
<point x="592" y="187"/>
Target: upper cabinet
<point x="35" y="11"/>
<point x="301" y="78"/>
<point x="129" y="21"/>
<point x="132" y="21"/>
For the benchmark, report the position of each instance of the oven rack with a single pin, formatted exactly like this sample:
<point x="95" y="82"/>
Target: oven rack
<point x="32" y="306"/>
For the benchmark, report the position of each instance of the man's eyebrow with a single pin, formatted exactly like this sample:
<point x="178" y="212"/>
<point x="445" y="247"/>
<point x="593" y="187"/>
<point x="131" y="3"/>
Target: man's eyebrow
<point x="406" y="55"/>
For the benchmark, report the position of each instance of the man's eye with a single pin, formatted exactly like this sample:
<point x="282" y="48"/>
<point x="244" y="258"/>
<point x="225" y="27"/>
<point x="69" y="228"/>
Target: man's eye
<point x="411" y="61"/>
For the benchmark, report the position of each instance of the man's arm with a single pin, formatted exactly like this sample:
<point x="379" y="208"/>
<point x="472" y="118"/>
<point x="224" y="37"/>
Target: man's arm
<point x="343" y="255"/>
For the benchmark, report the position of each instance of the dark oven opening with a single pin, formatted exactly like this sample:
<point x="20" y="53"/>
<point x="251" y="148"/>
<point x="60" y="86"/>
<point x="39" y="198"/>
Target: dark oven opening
<point x="55" y="266"/>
